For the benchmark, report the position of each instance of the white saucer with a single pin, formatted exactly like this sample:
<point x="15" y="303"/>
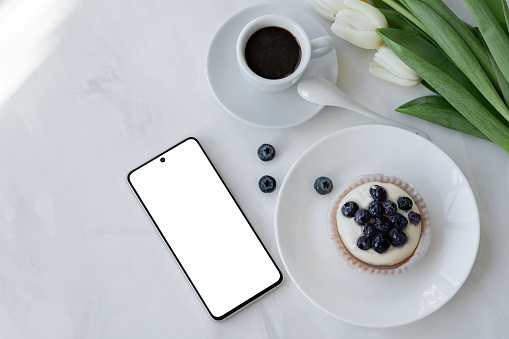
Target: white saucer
<point x="271" y="110"/>
<point x="322" y="276"/>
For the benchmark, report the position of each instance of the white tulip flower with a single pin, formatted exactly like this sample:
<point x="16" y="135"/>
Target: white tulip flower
<point x="387" y="66"/>
<point x="328" y="8"/>
<point x="357" y="24"/>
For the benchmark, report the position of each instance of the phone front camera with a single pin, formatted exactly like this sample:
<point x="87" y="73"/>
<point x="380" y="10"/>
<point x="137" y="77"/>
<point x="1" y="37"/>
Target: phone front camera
<point x="163" y="159"/>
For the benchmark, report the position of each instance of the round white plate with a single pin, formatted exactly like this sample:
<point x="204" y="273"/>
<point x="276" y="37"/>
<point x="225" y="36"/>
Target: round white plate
<point x="359" y="298"/>
<point x="239" y="98"/>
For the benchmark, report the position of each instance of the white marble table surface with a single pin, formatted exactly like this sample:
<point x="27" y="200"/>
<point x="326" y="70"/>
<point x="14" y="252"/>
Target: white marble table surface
<point x="91" y="89"/>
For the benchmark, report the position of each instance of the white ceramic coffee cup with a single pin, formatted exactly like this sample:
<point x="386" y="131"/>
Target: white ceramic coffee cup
<point x="310" y="49"/>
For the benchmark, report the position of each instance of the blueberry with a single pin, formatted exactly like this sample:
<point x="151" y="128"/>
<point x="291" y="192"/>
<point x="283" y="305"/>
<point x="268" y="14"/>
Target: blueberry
<point x="362" y="217"/>
<point x="364" y="242"/>
<point x="405" y="203"/>
<point x="266" y="152"/>
<point x="389" y="207"/>
<point x="267" y="184"/>
<point x="349" y="209"/>
<point x="381" y="242"/>
<point x="375" y="208"/>
<point x="398" y="238"/>
<point x="323" y="185"/>
<point x="399" y="221"/>
<point x="378" y="192"/>
<point x="414" y="218"/>
<point x="382" y="224"/>
<point x="370" y="230"/>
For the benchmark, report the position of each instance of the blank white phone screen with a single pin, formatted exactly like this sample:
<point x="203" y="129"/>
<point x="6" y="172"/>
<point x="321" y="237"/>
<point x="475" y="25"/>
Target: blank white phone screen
<point x="203" y="226"/>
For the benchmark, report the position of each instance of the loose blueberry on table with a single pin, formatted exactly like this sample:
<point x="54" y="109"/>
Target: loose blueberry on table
<point x="387" y="228"/>
<point x="267" y="184"/>
<point x="323" y="185"/>
<point x="266" y="152"/>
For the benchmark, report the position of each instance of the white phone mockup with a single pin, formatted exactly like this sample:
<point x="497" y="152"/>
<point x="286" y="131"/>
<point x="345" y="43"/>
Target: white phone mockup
<point x="205" y="229"/>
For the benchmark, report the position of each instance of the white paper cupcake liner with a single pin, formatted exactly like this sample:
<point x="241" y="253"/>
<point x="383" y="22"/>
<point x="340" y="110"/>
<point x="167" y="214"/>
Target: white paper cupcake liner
<point x="361" y="266"/>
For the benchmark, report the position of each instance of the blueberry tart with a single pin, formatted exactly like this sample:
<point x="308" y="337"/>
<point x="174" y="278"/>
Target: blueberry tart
<point x="388" y="233"/>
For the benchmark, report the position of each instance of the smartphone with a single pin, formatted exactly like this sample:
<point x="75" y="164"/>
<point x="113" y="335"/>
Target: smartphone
<point x="205" y="229"/>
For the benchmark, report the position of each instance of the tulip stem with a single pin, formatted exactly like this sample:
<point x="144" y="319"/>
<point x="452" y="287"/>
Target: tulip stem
<point x="406" y="13"/>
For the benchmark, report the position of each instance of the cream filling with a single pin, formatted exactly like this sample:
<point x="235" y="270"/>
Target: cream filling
<point x="350" y="231"/>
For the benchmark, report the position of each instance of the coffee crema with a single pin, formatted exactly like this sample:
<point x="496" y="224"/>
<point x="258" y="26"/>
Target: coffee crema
<point x="272" y="53"/>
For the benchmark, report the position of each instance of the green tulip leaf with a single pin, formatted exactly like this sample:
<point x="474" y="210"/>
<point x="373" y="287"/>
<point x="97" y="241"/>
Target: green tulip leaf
<point x="423" y="58"/>
<point x="437" y="110"/>
<point x="380" y="4"/>
<point x="396" y="20"/>
<point x="498" y="8"/>
<point x="459" y="52"/>
<point x="506" y="16"/>
<point x="428" y="86"/>
<point x="492" y="32"/>
<point x="464" y="30"/>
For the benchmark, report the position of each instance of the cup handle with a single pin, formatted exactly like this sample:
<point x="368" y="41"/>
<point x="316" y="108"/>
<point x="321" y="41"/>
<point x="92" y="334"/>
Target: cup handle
<point x="321" y="46"/>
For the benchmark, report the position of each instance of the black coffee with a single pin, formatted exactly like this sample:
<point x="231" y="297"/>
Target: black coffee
<point x="272" y="53"/>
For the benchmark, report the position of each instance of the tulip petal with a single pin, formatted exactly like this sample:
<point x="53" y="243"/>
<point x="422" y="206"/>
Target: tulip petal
<point x="386" y="58"/>
<point x="363" y="39"/>
<point x="378" y="71"/>
<point x="327" y="8"/>
<point x="355" y="20"/>
<point x="371" y="12"/>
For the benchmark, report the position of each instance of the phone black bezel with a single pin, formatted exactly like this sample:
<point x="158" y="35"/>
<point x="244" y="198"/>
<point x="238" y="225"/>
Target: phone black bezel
<point x="248" y="301"/>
